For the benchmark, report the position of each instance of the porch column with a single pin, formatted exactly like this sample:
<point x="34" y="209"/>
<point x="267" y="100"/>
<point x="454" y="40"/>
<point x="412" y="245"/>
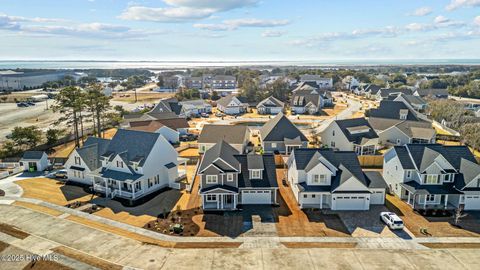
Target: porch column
<point x="408" y="197"/>
<point x="235" y="200"/>
<point x="119" y="188"/>
<point x="424" y="201"/>
<point x="446" y="201"/>
<point x="218" y="202"/>
<point x="133" y="191"/>
<point x="275" y="196"/>
<point x="106" y="187"/>
<point x="203" y="201"/>
<point x="221" y="200"/>
<point x="321" y="201"/>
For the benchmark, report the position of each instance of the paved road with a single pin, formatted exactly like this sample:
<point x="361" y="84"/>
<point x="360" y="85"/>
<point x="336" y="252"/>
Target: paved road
<point x="47" y="232"/>
<point x="353" y="107"/>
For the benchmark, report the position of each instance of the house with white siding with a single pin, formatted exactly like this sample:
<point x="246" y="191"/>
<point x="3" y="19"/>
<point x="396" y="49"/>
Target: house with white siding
<point x="232" y="105"/>
<point x="270" y="105"/>
<point x="433" y="176"/>
<point x="328" y="179"/>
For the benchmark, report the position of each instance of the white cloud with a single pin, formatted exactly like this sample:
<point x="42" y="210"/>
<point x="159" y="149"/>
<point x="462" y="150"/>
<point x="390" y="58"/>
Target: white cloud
<point x="423" y="11"/>
<point x="229" y="25"/>
<point x="476" y="21"/>
<point x="455" y="4"/>
<point x="183" y="10"/>
<point x="441" y="19"/>
<point x="273" y="33"/>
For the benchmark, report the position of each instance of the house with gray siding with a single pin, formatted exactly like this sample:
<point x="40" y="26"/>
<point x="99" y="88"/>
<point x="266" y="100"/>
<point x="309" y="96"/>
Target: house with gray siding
<point x="229" y="178"/>
<point x="237" y="136"/>
<point x="280" y="135"/>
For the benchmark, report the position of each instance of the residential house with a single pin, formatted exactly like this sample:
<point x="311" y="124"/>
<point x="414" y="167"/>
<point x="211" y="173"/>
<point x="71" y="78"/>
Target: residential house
<point x="385" y="93"/>
<point x="351" y="135"/>
<point x="232" y="105"/>
<point x="431" y="93"/>
<point x="308" y="99"/>
<point x="228" y="178"/>
<point x="397" y="124"/>
<point x="237" y="136"/>
<point x="194" y="83"/>
<point x="196" y="107"/>
<point x="279" y="135"/>
<point x="370" y="91"/>
<point x="433" y="176"/>
<point x="413" y="102"/>
<point x="270" y="105"/>
<point x="224" y="82"/>
<point x="320" y="81"/>
<point x="34" y="161"/>
<point x="130" y="166"/>
<point x="328" y="179"/>
<point x="350" y="83"/>
<point x="168" y="128"/>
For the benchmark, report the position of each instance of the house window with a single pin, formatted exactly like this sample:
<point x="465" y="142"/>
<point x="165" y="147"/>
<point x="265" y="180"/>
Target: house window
<point x="119" y="164"/>
<point x="448" y="178"/>
<point x="274" y="145"/>
<point x="78" y="161"/>
<point x="229" y="177"/>
<point x="305" y="196"/>
<point x="256" y="174"/>
<point x="150" y="183"/>
<point x="138" y="186"/>
<point x="333" y="133"/>
<point x="313" y="196"/>
<point x="157" y="179"/>
<point x="332" y="144"/>
<point x="430" y="198"/>
<point x="211" y="198"/>
<point x="211" y="179"/>
<point x="409" y="174"/>
<point x="431" y="179"/>
<point x="319" y="179"/>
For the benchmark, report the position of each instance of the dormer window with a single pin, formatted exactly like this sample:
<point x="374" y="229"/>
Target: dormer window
<point x="78" y="161"/>
<point x="403" y="114"/>
<point x="255" y="174"/>
<point x="119" y="164"/>
<point x="448" y="178"/>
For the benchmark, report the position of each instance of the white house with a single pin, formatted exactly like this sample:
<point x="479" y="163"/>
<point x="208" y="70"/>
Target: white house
<point x="350" y="83"/>
<point x="34" y="161"/>
<point x="308" y="99"/>
<point x="270" y="105"/>
<point x="327" y="179"/>
<point x="320" y="81"/>
<point x="237" y="136"/>
<point x="131" y="165"/>
<point x="351" y="135"/>
<point x="231" y="104"/>
<point x="195" y="107"/>
<point x="433" y="176"/>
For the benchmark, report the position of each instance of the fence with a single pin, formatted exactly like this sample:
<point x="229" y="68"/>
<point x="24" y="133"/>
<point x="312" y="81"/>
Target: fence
<point x="371" y="161"/>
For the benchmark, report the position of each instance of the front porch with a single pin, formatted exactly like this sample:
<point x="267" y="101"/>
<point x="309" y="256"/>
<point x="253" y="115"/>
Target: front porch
<point x="219" y="201"/>
<point x="430" y="201"/>
<point x="113" y="188"/>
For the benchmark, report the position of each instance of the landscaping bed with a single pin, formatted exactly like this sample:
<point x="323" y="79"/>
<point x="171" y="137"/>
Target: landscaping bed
<point x="177" y="222"/>
<point x="76" y="204"/>
<point x="93" y="209"/>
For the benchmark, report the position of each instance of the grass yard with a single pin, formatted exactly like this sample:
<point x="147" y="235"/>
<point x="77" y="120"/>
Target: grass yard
<point x="148" y="97"/>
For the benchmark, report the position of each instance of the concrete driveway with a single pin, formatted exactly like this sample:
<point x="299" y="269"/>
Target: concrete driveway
<point x="368" y="223"/>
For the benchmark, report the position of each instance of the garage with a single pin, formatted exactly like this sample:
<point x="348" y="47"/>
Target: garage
<point x="472" y="202"/>
<point x="256" y="197"/>
<point x="351" y="202"/>
<point x="377" y="197"/>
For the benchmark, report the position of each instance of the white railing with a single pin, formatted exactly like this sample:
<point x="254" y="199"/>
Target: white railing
<point x="9" y="165"/>
<point x="174" y="185"/>
<point x="4" y="175"/>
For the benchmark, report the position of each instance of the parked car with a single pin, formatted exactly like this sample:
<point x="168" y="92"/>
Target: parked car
<point x="22" y="104"/>
<point x="204" y="115"/>
<point x="31" y="103"/>
<point x="219" y="114"/>
<point x="393" y="221"/>
<point x="188" y="137"/>
<point x="61" y="174"/>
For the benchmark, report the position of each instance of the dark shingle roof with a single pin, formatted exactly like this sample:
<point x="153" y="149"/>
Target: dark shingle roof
<point x="404" y="157"/>
<point x="117" y="175"/>
<point x="372" y="88"/>
<point x="229" y="133"/>
<point x="470" y="170"/>
<point x="361" y="123"/>
<point x="255" y="162"/>
<point x="269" y="176"/>
<point x="271" y="101"/>
<point x="224" y="101"/>
<point x="424" y="154"/>
<point x="432" y="92"/>
<point x="223" y="151"/>
<point x="415" y="187"/>
<point x="375" y="180"/>
<point x="385" y="92"/>
<point x="391" y="110"/>
<point x="33" y="155"/>
<point x="91" y="151"/>
<point x="280" y="128"/>
<point x="414" y="100"/>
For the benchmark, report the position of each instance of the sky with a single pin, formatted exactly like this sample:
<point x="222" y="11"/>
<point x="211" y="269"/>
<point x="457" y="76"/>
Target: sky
<point x="239" y="30"/>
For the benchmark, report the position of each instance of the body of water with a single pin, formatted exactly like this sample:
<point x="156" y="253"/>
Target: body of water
<point x="198" y="64"/>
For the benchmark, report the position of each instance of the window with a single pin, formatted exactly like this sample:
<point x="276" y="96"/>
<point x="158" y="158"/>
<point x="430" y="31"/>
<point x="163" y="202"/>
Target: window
<point x="313" y="195"/>
<point x="274" y="145"/>
<point x="431" y="179"/>
<point x="138" y="186"/>
<point x="448" y="178"/>
<point x="229" y="177"/>
<point x="333" y="133"/>
<point x="211" y="198"/>
<point x="430" y="198"/>
<point x="211" y="179"/>
<point x="332" y="144"/>
<point x="319" y="179"/>
<point x="150" y="183"/>
<point x="305" y="196"/>
<point x="409" y="174"/>
<point x="119" y="164"/>
<point x="256" y="174"/>
<point x="78" y="161"/>
<point x="157" y="179"/>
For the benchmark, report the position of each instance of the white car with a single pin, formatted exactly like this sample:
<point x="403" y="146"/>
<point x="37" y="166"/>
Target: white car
<point x="393" y="221"/>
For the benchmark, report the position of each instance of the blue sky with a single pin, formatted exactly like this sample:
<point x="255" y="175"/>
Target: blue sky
<point x="239" y="29"/>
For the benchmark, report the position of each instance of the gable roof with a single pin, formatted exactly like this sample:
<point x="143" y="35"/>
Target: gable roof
<point x="271" y="101"/>
<point x="229" y="133"/>
<point x="432" y="92"/>
<point x="391" y="110"/>
<point x="280" y="128"/>
<point x="413" y="100"/>
<point x="33" y="155"/>
<point x="225" y="152"/>
<point x="267" y="163"/>
<point x="348" y="126"/>
<point x="372" y="88"/>
<point x="385" y="92"/>
<point x="91" y="151"/>
<point x="154" y="125"/>
<point x="225" y="101"/>
<point x="132" y="145"/>
<point x="470" y="171"/>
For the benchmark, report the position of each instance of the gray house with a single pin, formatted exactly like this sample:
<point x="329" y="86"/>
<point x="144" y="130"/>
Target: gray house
<point x="282" y="136"/>
<point x="228" y="178"/>
<point x="270" y="105"/>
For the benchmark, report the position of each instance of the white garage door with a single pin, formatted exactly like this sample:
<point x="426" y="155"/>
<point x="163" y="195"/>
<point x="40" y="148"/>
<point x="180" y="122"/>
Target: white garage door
<point x="472" y="202"/>
<point x="350" y="203"/>
<point x="377" y="197"/>
<point x="256" y="197"/>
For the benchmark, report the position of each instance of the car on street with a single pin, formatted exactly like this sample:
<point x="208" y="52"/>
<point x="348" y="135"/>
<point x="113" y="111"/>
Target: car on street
<point x="22" y="105"/>
<point x="188" y="137"/>
<point x="61" y="174"/>
<point x="393" y="221"/>
<point x="204" y="115"/>
<point x="218" y="114"/>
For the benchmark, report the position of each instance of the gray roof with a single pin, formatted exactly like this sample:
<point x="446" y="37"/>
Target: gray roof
<point x="312" y="77"/>
<point x="417" y="129"/>
<point x="91" y="151"/>
<point x="117" y="175"/>
<point x="372" y="88"/>
<point x="348" y="126"/>
<point x="345" y="161"/>
<point x="391" y="110"/>
<point x="255" y="162"/>
<point x="229" y="133"/>
<point x="305" y="94"/>
<point x="224" y="78"/>
<point x="280" y="128"/>
<point x="376" y="180"/>
<point x="223" y="151"/>
<point x="414" y="100"/>
<point x="33" y="155"/>
<point x="385" y="92"/>
<point x="224" y="101"/>
<point x="469" y="171"/>
<point x="404" y="157"/>
<point x="166" y="106"/>
<point x="132" y="145"/>
<point x="416" y="188"/>
<point x="271" y="101"/>
<point x="432" y="92"/>
<point x="269" y="175"/>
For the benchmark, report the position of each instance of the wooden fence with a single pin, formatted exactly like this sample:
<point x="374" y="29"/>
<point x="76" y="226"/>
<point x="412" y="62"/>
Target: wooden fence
<point x="371" y="161"/>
